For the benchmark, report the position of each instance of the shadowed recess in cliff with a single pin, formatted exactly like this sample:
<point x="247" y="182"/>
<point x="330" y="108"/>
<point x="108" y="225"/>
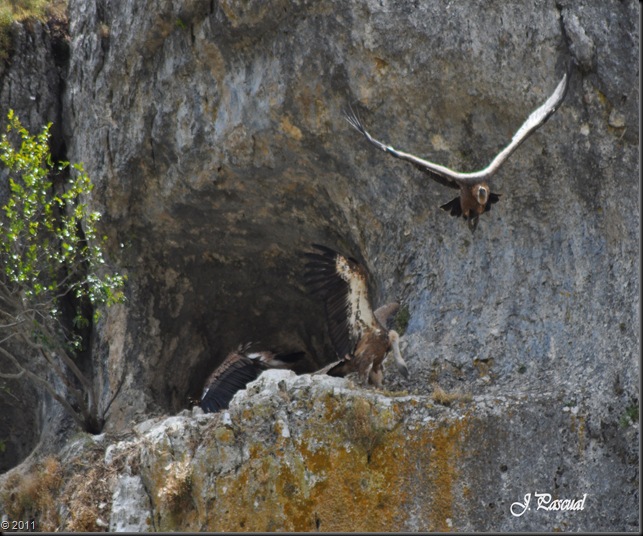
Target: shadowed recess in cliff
<point x="230" y="272"/>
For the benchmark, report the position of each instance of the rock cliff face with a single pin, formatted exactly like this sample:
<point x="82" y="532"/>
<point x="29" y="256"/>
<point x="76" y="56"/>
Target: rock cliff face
<point x="214" y="134"/>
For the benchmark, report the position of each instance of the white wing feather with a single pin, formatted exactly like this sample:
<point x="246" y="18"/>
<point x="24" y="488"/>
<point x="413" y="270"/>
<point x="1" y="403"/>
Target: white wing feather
<point x="535" y="120"/>
<point x="359" y="310"/>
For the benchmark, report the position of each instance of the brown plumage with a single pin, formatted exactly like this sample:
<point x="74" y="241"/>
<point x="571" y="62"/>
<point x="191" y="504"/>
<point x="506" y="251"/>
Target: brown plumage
<point x="475" y="195"/>
<point x="236" y="371"/>
<point x="359" y="335"/>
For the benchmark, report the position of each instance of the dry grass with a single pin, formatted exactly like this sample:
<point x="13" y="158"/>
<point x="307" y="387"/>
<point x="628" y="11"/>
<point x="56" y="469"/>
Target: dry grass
<point x="34" y="495"/>
<point x="23" y="10"/>
<point x="88" y="497"/>
<point x="440" y="396"/>
<point x="88" y="492"/>
<point x="73" y="498"/>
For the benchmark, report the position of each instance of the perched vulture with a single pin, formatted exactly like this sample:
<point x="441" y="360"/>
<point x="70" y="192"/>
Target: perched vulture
<point x="236" y="371"/>
<point x="475" y="195"/>
<point x="359" y="335"/>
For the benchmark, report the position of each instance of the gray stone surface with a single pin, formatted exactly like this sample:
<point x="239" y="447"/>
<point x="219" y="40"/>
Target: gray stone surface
<point x="130" y="506"/>
<point x="215" y="137"/>
<point x="219" y="149"/>
<point x="299" y="453"/>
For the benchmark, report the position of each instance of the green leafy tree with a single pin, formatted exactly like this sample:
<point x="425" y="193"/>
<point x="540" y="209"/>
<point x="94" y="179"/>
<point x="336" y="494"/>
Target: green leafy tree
<point x="53" y="276"/>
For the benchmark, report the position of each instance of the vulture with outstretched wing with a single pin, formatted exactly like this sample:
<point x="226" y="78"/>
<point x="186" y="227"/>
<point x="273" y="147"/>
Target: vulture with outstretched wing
<point x="238" y="370"/>
<point x="475" y="195"/>
<point x="359" y="335"/>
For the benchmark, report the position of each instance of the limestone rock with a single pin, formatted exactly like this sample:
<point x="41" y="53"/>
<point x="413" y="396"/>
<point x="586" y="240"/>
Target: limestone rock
<point x="130" y="506"/>
<point x="305" y="453"/>
<point x="214" y="133"/>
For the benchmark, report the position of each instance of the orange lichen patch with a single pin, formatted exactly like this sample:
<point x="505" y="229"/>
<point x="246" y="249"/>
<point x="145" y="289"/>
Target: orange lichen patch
<point x="248" y="500"/>
<point x="333" y="409"/>
<point x="355" y="466"/>
<point x="224" y="435"/>
<point x="315" y="458"/>
<point x="289" y="129"/>
<point x="349" y="476"/>
<point x="322" y="480"/>
<point x="442" y="471"/>
<point x="298" y="507"/>
<point x="340" y="491"/>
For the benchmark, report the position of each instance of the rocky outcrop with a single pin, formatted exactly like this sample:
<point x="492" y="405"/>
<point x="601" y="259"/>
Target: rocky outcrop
<point x="214" y="134"/>
<point x="314" y="453"/>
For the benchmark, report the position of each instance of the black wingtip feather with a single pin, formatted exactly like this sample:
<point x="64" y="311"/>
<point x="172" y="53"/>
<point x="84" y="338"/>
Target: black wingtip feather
<point x="453" y="207"/>
<point x="326" y="250"/>
<point x="321" y="277"/>
<point x="219" y="393"/>
<point x="493" y="198"/>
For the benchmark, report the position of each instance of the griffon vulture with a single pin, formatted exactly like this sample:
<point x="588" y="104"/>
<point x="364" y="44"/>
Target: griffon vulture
<point x="359" y="335"/>
<point x="475" y="195"/>
<point x="237" y="370"/>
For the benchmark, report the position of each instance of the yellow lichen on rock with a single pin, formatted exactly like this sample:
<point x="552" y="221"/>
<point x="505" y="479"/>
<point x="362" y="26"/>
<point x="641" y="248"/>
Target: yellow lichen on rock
<point x="442" y="469"/>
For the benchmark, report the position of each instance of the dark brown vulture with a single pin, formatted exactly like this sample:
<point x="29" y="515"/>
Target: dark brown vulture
<point x="475" y="195"/>
<point x="238" y="370"/>
<point x="359" y="335"/>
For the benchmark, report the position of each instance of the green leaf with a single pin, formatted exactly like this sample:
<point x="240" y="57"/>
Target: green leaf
<point x="49" y="245"/>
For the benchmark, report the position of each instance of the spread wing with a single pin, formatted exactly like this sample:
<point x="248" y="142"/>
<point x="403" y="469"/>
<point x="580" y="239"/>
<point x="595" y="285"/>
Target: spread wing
<point x="445" y="180"/>
<point x="343" y="284"/>
<point x="451" y="178"/>
<point x="232" y="375"/>
<point x="537" y="118"/>
<point x="237" y="371"/>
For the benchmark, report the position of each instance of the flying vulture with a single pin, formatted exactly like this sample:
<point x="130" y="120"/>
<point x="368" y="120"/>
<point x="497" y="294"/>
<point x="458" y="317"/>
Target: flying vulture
<point x="475" y="195"/>
<point x="359" y="335"/>
<point x="238" y="370"/>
